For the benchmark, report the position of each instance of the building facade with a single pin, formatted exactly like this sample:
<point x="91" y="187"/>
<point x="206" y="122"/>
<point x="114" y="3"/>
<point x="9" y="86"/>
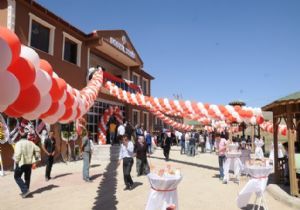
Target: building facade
<point x="71" y="52"/>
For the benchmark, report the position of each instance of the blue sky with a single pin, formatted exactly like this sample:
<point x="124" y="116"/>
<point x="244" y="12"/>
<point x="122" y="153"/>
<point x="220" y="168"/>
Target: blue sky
<point x="212" y="51"/>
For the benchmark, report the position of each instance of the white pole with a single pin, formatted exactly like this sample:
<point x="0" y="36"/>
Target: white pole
<point x="2" y="171"/>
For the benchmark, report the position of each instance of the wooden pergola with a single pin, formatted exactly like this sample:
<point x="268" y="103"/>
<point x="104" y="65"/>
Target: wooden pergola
<point x="287" y="109"/>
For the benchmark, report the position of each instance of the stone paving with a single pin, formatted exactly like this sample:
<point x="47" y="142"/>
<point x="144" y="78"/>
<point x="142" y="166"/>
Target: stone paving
<point x="199" y="189"/>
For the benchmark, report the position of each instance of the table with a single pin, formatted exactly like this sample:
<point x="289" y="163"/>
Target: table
<point x="163" y="191"/>
<point x="257" y="184"/>
<point x="232" y="159"/>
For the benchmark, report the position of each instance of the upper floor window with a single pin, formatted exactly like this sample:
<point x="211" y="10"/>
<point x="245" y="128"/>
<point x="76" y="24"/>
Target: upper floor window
<point x="135" y="78"/>
<point x="145" y="86"/>
<point x="41" y="34"/>
<point x="71" y="49"/>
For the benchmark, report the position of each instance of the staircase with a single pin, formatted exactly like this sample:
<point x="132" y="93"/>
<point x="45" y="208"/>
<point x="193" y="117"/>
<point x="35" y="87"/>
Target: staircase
<point x="105" y="153"/>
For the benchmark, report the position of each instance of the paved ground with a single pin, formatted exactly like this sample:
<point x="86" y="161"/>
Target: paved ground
<point x="199" y="188"/>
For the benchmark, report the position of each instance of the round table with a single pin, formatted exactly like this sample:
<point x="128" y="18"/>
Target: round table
<point x="232" y="162"/>
<point x="163" y="191"/>
<point x="257" y="184"/>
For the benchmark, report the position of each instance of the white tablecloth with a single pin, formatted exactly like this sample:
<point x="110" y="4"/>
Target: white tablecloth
<point x="257" y="184"/>
<point x="234" y="163"/>
<point x="163" y="191"/>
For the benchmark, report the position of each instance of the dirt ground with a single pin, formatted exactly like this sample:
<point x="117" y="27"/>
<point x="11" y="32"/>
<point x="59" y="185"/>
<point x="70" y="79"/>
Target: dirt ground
<point x="199" y="189"/>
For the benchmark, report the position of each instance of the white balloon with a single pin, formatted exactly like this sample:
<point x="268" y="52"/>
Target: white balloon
<point x="63" y="98"/>
<point x="43" y="82"/>
<point x="9" y="88"/>
<point x="6" y="55"/>
<point x="31" y="55"/>
<point x="55" y="117"/>
<point x="3" y="108"/>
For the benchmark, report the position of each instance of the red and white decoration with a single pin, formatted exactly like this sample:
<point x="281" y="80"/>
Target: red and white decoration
<point x="104" y="120"/>
<point x="268" y="127"/>
<point x="191" y="110"/>
<point x="30" y="89"/>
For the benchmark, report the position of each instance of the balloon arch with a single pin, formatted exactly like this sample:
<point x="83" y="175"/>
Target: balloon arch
<point x="29" y="88"/>
<point x="110" y="111"/>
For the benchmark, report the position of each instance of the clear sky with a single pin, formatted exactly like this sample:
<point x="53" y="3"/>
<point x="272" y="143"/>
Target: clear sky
<point x="212" y="51"/>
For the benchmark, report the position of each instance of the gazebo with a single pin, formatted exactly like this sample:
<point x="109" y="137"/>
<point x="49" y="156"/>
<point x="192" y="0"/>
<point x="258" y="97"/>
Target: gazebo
<point x="287" y="109"/>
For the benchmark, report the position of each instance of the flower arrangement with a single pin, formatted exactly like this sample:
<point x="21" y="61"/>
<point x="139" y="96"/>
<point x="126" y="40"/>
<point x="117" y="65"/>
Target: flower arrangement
<point x="165" y="172"/>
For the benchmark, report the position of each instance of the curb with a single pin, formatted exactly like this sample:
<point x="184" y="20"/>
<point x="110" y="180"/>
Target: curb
<point x="278" y="194"/>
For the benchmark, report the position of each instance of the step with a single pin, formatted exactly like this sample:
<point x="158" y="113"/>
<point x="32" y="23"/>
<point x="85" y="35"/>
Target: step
<point x="106" y="153"/>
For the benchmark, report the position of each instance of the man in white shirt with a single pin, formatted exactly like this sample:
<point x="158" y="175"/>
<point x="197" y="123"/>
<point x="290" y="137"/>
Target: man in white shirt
<point x="26" y="153"/>
<point x="120" y="132"/>
<point x="126" y="154"/>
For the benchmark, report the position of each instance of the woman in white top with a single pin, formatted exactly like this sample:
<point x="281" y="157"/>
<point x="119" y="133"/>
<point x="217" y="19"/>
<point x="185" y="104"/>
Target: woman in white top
<point x="259" y="154"/>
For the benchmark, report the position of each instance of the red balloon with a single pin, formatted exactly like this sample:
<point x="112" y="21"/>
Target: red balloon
<point x="53" y="109"/>
<point x="259" y="119"/>
<point x="67" y="115"/>
<point x="57" y="89"/>
<point x="13" y="42"/>
<point x="12" y="113"/>
<point x="24" y="70"/>
<point x="70" y="100"/>
<point x="44" y="65"/>
<point x="27" y="101"/>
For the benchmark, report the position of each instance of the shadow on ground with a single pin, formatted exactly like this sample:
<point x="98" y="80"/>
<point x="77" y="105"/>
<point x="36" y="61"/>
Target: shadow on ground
<point x="43" y="189"/>
<point x="250" y="207"/>
<point x="95" y="176"/>
<point x="188" y="163"/>
<point x="106" y="193"/>
<point x="136" y="184"/>
<point x="62" y="175"/>
<point x="95" y="165"/>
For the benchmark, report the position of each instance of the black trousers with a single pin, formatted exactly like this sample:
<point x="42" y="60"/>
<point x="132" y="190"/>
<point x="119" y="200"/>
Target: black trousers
<point x="26" y="169"/>
<point x="166" y="152"/>
<point x="49" y="166"/>
<point x="127" y="165"/>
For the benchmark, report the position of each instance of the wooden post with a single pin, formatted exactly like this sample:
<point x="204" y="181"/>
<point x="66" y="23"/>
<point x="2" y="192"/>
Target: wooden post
<point x="275" y="143"/>
<point x="252" y="139"/>
<point x="291" y="145"/>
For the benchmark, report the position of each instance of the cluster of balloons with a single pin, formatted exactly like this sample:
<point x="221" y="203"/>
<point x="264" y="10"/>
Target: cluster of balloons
<point x="191" y="110"/>
<point x="29" y="87"/>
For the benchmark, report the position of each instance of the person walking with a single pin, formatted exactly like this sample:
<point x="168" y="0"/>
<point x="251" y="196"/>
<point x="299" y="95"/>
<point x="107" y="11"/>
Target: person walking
<point x="49" y="148"/>
<point x="26" y="153"/>
<point x="120" y="132"/>
<point x="126" y="154"/>
<point x="187" y="142"/>
<point x="192" y="145"/>
<point x="86" y="151"/>
<point x="149" y="142"/>
<point x="182" y="144"/>
<point x="112" y="129"/>
<point x="167" y="145"/>
<point x="221" y="144"/>
<point x="129" y="130"/>
<point x="141" y="152"/>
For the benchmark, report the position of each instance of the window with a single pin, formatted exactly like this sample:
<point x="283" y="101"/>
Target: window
<point x="135" y="79"/>
<point x="146" y="120"/>
<point x="71" y="49"/>
<point x="41" y="34"/>
<point x="145" y="86"/>
<point x="135" y="117"/>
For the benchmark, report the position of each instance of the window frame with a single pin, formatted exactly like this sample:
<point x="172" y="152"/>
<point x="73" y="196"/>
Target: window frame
<point x="148" y="120"/>
<point x="45" y="24"/>
<point x="139" y="117"/>
<point x="79" y="44"/>
<point x="138" y="78"/>
<point x="147" y="86"/>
